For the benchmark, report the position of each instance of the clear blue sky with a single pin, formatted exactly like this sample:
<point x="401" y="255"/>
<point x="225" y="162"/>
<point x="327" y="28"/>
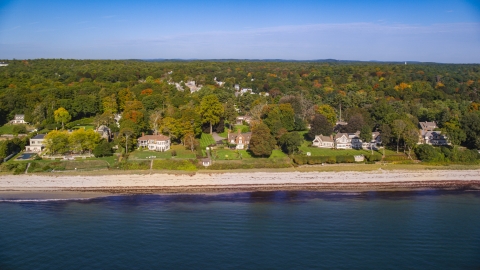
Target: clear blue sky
<point x="434" y="30"/>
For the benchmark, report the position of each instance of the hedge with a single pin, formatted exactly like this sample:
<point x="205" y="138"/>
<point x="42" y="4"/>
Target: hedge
<point x="256" y="164"/>
<point x="301" y="160"/>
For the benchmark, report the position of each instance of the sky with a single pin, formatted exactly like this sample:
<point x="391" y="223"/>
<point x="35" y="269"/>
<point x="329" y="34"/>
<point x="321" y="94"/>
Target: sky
<point x="427" y="31"/>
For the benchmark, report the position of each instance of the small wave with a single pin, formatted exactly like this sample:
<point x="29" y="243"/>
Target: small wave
<point x="43" y="200"/>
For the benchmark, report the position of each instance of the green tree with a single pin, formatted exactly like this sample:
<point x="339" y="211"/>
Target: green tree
<point x="366" y="135"/>
<point x="329" y="113"/>
<point x="103" y="149"/>
<point x="289" y="142"/>
<point x="211" y="109"/>
<point x="454" y="133"/>
<point x="62" y="116"/>
<point x="262" y="142"/>
<point x="398" y="129"/>
<point x="320" y="126"/>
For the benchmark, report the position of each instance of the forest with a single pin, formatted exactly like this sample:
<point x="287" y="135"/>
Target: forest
<point x="153" y="96"/>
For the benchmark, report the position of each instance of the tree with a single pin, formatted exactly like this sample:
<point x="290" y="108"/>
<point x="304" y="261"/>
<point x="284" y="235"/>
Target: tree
<point x="366" y="135"/>
<point x="155" y="120"/>
<point x="262" y="142"/>
<point x="398" y="128"/>
<point x="355" y="123"/>
<point x="471" y="125"/>
<point x="211" y="109"/>
<point x="410" y="138"/>
<point x="229" y="113"/>
<point x="109" y="104"/>
<point x="127" y="132"/>
<point x="320" y="126"/>
<point x="454" y="133"/>
<point x="289" y="142"/>
<point x="103" y="149"/>
<point x="62" y="116"/>
<point x="56" y="142"/>
<point x="328" y="111"/>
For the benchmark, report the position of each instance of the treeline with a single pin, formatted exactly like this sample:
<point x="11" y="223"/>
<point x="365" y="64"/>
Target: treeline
<point x="386" y="97"/>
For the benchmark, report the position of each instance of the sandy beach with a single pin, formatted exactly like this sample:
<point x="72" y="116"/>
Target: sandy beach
<point x="246" y="181"/>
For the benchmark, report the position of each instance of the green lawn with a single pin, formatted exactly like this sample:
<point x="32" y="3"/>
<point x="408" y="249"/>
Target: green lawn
<point x="182" y="152"/>
<point x="86" y="127"/>
<point x="147" y="154"/>
<point x="241" y="127"/>
<point x="6" y="129"/>
<point x="228" y="154"/>
<point x="224" y="134"/>
<point x="206" y="140"/>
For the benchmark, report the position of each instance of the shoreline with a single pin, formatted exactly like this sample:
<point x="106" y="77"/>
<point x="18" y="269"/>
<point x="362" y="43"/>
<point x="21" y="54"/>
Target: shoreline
<point x="379" y="180"/>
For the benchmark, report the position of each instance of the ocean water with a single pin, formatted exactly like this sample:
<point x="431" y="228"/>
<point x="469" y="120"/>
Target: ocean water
<point x="256" y="230"/>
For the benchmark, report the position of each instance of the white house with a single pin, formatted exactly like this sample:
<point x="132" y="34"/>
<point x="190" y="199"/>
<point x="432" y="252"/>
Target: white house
<point x="154" y="142"/>
<point x="2" y="64"/>
<point x="18" y="119"/>
<point x="323" y="141"/>
<point x="344" y="140"/>
<point x="36" y="144"/>
<point x="433" y="138"/>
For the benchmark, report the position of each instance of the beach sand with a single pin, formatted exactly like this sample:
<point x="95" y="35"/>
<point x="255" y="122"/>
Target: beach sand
<point x="245" y="181"/>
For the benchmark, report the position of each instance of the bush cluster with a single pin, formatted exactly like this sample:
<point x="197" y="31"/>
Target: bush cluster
<point x="445" y="154"/>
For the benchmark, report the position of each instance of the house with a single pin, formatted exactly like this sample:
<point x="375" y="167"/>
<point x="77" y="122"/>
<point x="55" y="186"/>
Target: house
<point x="2" y="64"/>
<point x="154" y="142"/>
<point x="18" y="119"/>
<point x="323" y="141"/>
<point x="104" y="132"/>
<point x="36" y="144"/>
<point x="193" y="86"/>
<point x="240" y="119"/>
<point x="428" y="126"/>
<point x="435" y="138"/>
<point x="342" y="141"/>
<point x="242" y="140"/>
<point x="428" y="134"/>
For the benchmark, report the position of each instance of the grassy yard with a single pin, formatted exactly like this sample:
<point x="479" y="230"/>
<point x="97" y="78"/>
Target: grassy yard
<point x="180" y="150"/>
<point x="228" y="154"/>
<point x="6" y="129"/>
<point x="206" y="140"/>
<point x="147" y="154"/>
<point x="86" y="127"/>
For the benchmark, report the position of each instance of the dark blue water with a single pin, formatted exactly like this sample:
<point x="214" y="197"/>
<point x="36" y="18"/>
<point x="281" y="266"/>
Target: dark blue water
<point x="259" y="230"/>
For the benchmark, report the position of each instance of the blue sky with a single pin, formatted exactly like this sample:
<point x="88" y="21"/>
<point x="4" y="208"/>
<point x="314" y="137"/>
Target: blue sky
<point x="435" y="31"/>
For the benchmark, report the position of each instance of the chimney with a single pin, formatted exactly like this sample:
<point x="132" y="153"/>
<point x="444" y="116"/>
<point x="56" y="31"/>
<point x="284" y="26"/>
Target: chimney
<point x="143" y="134"/>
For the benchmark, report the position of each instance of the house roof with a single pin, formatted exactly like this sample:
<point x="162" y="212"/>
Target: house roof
<point x="324" y="138"/>
<point x="428" y="125"/>
<point x="39" y="137"/>
<point x="233" y="136"/>
<point x="158" y="137"/>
